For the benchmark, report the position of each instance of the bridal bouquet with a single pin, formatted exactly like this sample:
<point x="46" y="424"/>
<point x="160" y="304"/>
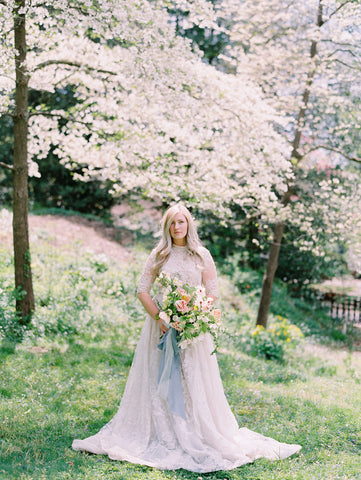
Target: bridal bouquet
<point x="188" y="310"/>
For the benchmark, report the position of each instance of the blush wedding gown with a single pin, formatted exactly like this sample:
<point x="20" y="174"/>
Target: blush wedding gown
<point x="145" y="431"/>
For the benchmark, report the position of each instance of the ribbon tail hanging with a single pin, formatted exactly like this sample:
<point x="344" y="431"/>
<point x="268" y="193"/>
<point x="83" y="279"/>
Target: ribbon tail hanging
<point x="170" y="375"/>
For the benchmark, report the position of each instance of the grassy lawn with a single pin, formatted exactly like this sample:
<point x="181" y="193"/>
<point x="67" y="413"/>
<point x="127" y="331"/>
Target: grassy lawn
<point x="66" y="379"/>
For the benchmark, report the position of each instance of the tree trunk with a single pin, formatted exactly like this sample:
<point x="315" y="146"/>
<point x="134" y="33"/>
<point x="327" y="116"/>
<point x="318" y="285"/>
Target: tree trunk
<point x="272" y="262"/>
<point x="23" y="277"/>
<point x="268" y="278"/>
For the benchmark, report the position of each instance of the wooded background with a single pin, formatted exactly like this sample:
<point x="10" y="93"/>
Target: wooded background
<point x="248" y="112"/>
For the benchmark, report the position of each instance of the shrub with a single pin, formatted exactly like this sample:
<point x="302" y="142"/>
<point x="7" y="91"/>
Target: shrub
<point x="274" y="342"/>
<point x="10" y="327"/>
<point x="57" y="188"/>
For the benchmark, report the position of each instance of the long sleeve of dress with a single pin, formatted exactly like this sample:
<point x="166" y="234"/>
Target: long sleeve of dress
<point x="147" y="278"/>
<point x="209" y="274"/>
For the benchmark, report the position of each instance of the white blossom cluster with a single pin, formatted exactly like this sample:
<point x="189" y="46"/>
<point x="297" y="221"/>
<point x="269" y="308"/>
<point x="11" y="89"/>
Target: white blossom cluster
<point x="271" y="40"/>
<point x="150" y="114"/>
<point x="334" y="213"/>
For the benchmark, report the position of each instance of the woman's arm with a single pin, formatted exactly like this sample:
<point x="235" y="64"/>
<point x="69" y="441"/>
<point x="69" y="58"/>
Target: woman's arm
<point x="209" y="276"/>
<point x="151" y="308"/>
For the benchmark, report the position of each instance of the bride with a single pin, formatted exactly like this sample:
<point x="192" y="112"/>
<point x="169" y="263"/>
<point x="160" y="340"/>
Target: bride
<point x="145" y="430"/>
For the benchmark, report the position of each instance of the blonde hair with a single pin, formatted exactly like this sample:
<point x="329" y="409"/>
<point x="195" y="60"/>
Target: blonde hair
<point x="163" y="249"/>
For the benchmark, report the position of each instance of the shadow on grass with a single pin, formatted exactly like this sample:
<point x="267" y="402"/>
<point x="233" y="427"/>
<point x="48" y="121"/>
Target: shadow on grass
<point x="253" y="369"/>
<point x="7" y="348"/>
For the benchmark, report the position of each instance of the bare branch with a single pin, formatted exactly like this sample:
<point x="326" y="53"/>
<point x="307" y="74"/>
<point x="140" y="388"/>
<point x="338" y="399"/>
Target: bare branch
<point x="6" y="114"/>
<point x="7" y="76"/>
<point x="63" y="80"/>
<point x="72" y="64"/>
<point x="331" y="61"/>
<point x="337" y="60"/>
<point x="342" y="50"/>
<point x="338" y="44"/>
<point x="60" y="116"/>
<point x="80" y="66"/>
<point x="338" y="9"/>
<point x="225" y="109"/>
<point x="332" y="149"/>
<point x="69" y="7"/>
<point x="6" y="165"/>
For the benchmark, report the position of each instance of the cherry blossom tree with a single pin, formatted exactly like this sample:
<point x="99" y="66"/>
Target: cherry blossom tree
<point x="149" y="114"/>
<point x="48" y="25"/>
<point x="23" y="276"/>
<point x="306" y="58"/>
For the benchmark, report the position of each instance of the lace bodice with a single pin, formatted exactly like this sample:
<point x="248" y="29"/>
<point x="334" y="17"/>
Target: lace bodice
<point x="187" y="267"/>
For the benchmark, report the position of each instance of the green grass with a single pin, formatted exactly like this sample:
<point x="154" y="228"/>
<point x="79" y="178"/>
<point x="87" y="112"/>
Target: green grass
<point x="66" y="379"/>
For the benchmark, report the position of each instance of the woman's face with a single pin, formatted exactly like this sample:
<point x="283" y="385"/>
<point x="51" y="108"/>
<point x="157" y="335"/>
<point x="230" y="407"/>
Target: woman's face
<point x="178" y="229"/>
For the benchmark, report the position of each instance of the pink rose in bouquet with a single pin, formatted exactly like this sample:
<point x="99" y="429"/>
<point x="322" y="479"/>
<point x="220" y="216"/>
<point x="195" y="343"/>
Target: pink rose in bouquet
<point x="182" y="306"/>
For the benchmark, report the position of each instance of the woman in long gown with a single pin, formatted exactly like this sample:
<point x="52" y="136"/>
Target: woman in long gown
<point x="145" y="430"/>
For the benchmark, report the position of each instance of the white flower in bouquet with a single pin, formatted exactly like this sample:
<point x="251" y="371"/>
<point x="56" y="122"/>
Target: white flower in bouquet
<point x="205" y="319"/>
<point x="167" y="291"/>
<point x="164" y="317"/>
<point x="200" y="292"/>
<point x="184" y="343"/>
<point x="199" y="301"/>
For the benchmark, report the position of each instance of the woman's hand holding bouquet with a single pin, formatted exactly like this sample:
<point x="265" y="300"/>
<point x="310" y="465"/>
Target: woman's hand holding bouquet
<point x="188" y="310"/>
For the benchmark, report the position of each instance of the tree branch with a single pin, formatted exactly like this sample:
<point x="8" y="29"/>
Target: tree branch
<point x="6" y="165"/>
<point x="80" y="66"/>
<point x="225" y="109"/>
<point x="332" y="149"/>
<point x="60" y="116"/>
<point x="345" y="64"/>
<point x="338" y="9"/>
<point x="337" y="44"/>
<point x="6" y="114"/>
<point x="72" y="64"/>
<point x="342" y="51"/>
<point x="47" y="6"/>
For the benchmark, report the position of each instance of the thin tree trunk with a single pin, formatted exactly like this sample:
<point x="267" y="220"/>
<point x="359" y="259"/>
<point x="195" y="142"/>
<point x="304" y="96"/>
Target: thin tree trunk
<point x="272" y="262"/>
<point x="23" y="277"/>
<point x="269" y="275"/>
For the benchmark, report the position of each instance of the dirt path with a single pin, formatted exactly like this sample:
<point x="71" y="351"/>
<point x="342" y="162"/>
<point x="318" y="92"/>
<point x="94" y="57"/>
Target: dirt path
<point x="92" y="235"/>
<point x="89" y="234"/>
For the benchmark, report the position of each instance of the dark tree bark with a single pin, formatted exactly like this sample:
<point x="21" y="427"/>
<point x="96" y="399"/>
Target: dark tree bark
<point x="272" y="262"/>
<point x="23" y="277"/>
<point x="269" y="275"/>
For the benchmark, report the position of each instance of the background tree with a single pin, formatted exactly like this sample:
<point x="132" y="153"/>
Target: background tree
<point x="46" y="23"/>
<point x="307" y="62"/>
<point x="23" y="276"/>
<point x="149" y="114"/>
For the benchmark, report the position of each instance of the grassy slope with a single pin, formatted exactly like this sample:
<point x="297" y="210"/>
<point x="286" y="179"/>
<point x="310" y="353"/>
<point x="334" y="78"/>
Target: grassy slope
<point x="67" y="385"/>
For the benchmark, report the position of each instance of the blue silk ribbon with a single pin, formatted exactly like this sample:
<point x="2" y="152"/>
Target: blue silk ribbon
<point x="169" y="373"/>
